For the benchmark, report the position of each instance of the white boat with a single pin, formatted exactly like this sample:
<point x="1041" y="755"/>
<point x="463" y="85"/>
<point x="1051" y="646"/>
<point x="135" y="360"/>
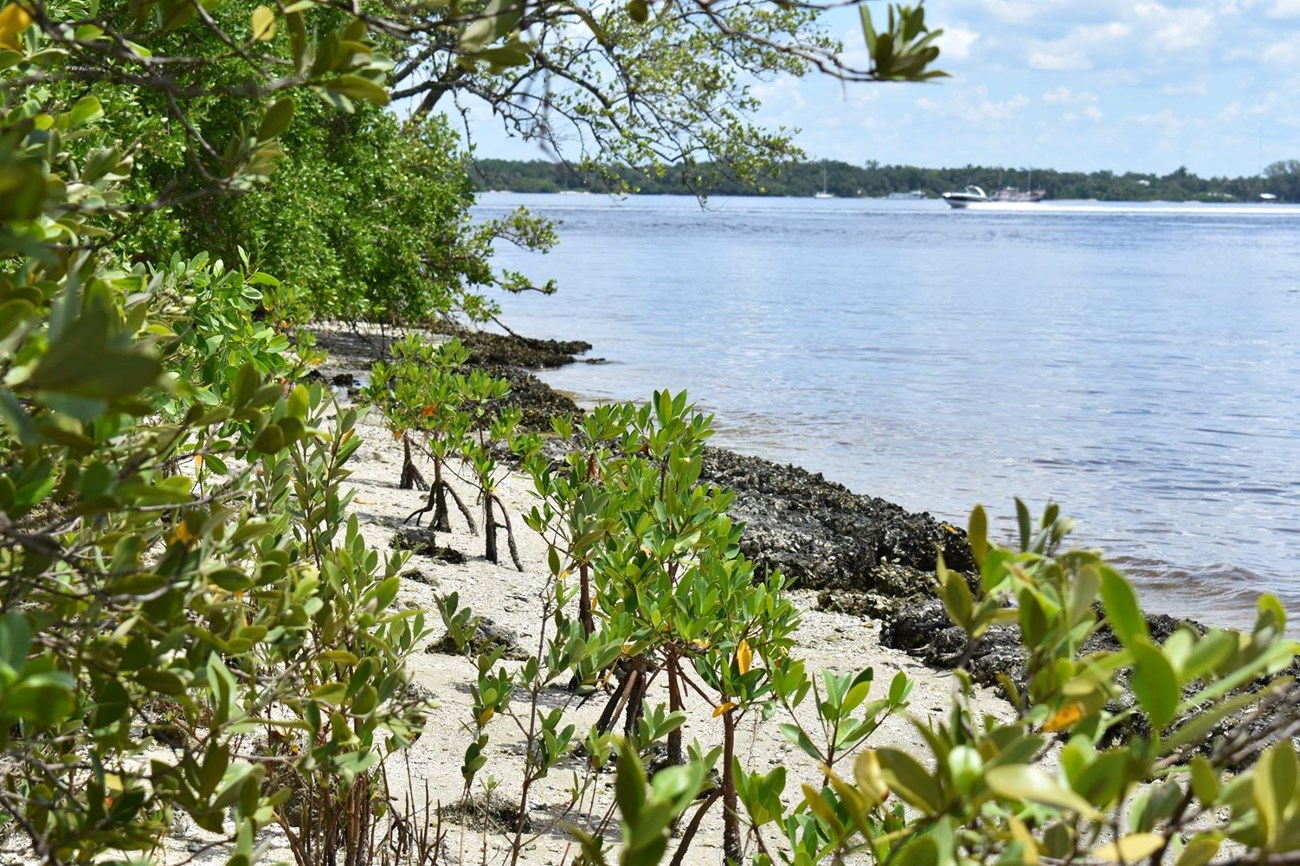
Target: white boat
<point x="967" y="197"/>
<point x="900" y="196"/>
<point x="823" y="193"/>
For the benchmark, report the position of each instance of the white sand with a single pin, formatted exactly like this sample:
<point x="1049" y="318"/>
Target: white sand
<point x="513" y="600"/>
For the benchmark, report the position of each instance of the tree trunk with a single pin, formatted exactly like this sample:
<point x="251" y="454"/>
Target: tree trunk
<point x="636" y="701"/>
<point x="489" y="530"/>
<point x="584" y="601"/>
<point x="441" y="519"/>
<point x="674" y="705"/>
<point x="731" y="852"/>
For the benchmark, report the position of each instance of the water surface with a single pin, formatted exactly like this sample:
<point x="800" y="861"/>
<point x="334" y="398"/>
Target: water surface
<point x="1139" y="364"/>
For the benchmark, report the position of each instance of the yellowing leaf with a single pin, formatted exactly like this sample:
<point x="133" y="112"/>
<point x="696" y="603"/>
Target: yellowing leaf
<point x="871" y="782"/>
<point x="724" y="708"/>
<point x="1029" y="847"/>
<point x="1131" y="848"/>
<point x="744" y="657"/>
<point x="183" y="534"/>
<point x="263" y="23"/>
<point x="14" y="19"/>
<point x="1064" y="717"/>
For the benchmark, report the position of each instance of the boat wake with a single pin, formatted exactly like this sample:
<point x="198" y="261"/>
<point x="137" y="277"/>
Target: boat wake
<point x="1142" y="209"/>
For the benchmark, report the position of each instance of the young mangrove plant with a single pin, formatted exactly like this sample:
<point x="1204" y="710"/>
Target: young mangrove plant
<point x="490" y="427"/>
<point x="575" y="513"/>
<point x="1181" y="751"/>
<point x="421" y="392"/>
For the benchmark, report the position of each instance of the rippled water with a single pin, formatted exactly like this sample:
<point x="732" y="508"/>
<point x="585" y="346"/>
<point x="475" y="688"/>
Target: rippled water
<point x="1138" y="364"/>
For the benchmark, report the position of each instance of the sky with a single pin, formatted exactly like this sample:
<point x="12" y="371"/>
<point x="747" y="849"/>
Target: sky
<point x="1081" y="85"/>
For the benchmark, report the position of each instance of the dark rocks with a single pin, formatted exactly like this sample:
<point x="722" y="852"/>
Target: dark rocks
<point x="923" y="629"/>
<point x="422" y="542"/>
<point x="490" y="350"/>
<point x="537" y="400"/>
<point x="824" y="536"/>
<point x="415" y="575"/>
<point x="487" y="637"/>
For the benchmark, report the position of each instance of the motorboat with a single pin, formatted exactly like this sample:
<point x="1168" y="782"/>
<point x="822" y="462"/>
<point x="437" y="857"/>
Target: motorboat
<point x="1007" y="195"/>
<point x="1018" y="196"/>
<point x="967" y="197"/>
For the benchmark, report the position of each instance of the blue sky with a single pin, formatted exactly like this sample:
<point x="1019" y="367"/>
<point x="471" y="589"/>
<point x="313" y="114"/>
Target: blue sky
<point x="1069" y="84"/>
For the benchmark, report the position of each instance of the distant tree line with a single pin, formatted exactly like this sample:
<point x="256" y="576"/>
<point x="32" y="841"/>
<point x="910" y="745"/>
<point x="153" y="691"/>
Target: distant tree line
<point x="1281" y="179"/>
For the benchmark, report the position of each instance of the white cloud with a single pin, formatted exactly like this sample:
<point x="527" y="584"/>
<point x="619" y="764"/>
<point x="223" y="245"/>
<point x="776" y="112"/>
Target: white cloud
<point x="956" y="42"/>
<point x="1082" y="105"/>
<point x="1184" y="90"/>
<point x="973" y="105"/>
<point x="1284" y="9"/>
<point x="1165" y="121"/>
<point x="1058" y="56"/>
<point x="1066" y="96"/>
<point x="1284" y="52"/>
<point x="1020" y="11"/>
<point x="1100" y="34"/>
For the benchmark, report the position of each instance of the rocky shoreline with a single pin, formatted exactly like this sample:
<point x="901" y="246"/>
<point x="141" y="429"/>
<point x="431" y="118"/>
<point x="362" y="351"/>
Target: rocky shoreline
<point x="861" y="555"/>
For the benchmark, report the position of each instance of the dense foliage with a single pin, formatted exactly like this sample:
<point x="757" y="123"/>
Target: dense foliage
<point x="367" y="214"/>
<point x="191" y="623"/>
<point x="875" y="180"/>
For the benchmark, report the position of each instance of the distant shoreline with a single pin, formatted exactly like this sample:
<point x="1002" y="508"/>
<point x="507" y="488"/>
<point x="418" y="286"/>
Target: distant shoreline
<point x="872" y="180"/>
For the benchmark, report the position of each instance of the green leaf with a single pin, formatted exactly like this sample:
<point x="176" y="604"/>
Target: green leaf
<point x="1121" y="606"/>
<point x="1030" y="784"/>
<point x="629" y="783"/>
<point x="111" y="704"/>
<point x="330" y="693"/>
<point x="270" y="440"/>
<point x="795" y="734"/>
<point x="978" y="533"/>
<point x="1205" y="780"/>
<point x="15" y="642"/>
<point x="1154" y="683"/>
<point x="277" y="118"/>
<point x="957" y="598"/>
<point x="87" y="109"/>
<point x="638" y="10"/>
<point x="1273" y="784"/>
<point x="45" y="698"/>
<point x="908" y="778"/>
<point x="22" y="190"/>
<point x="1200" y="851"/>
<point x="356" y="87"/>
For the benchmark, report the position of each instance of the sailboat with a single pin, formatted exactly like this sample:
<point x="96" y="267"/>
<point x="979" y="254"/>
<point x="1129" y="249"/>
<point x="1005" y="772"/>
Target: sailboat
<point x="823" y="193"/>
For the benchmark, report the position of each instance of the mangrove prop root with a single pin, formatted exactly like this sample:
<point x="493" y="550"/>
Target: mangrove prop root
<point x="606" y="722"/>
<point x="464" y="510"/>
<point x="510" y="535"/>
<point x="411" y="477"/>
<point x="692" y="828"/>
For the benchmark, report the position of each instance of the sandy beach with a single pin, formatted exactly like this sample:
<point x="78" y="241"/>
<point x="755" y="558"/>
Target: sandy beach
<point x="512" y="600"/>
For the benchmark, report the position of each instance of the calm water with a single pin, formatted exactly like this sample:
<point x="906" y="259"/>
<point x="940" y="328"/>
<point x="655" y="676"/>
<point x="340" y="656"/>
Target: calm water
<point x="1138" y="364"/>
